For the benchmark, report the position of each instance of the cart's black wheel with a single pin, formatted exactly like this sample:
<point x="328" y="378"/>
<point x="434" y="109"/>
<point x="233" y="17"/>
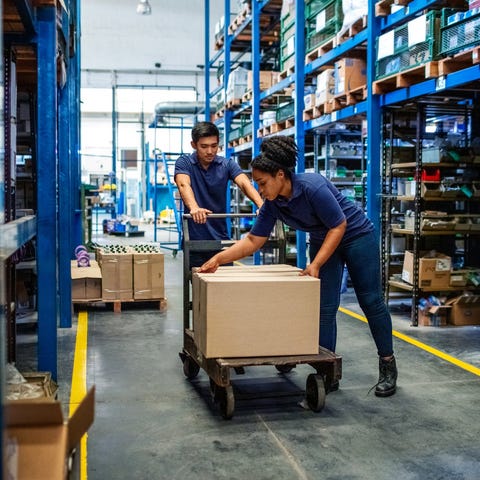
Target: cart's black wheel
<point x="190" y="367"/>
<point x="174" y="253"/>
<point x="284" y="368"/>
<point x="226" y="401"/>
<point x="213" y="389"/>
<point x="315" y="392"/>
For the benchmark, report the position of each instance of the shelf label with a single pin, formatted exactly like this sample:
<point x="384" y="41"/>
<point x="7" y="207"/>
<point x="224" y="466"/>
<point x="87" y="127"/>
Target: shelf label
<point x="320" y="21"/>
<point x="334" y="116"/>
<point x="441" y="83"/>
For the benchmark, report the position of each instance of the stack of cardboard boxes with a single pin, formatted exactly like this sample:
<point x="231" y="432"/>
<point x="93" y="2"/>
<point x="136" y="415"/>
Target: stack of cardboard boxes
<point x="435" y="274"/>
<point x="130" y="273"/>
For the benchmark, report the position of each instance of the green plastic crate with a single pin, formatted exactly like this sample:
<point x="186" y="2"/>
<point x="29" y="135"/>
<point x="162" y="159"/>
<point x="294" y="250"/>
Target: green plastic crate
<point x="284" y="112"/>
<point x="406" y="56"/>
<point x="324" y="22"/>
<point x="234" y="134"/>
<point x="463" y="34"/>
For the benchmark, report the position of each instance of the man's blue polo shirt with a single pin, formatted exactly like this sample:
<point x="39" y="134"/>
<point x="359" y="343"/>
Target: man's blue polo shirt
<point x="210" y="190"/>
<point x="316" y="206"/>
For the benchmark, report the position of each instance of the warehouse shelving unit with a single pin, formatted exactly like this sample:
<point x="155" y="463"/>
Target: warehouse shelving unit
<point x="456" y="72"/>
<point x="436" y="186"/>
<point x="42" y="45"/>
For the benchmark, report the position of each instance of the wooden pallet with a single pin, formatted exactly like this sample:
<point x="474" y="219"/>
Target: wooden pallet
<point x="459" y="61"/>
<point x="346" y="99"/>
<point x="406" y="78"/>
<point x="219" y="114"/>
<point x="246" y="139"/>
<point x="286" y="73"/>
<point x="321" y="50"/>
<point x="276" y="127"/>
<point x="316" y="111"/>
<point x="158" y="303"/>
<point x="233" y="104"/>
<point x="219" y="42"/>
<point x="383" y="8"/>
<point x="238" y="20"/>
<point x="352" y="30"/>
<point x="247" y="96"/>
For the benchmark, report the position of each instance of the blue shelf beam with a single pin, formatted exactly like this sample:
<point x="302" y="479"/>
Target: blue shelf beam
<point x="15" y="234"/>
<point x="207" y="62"/>
<point x="402" y="16"/>
<point x="299" y="106"/>
<point x="47" y="190"/>
<point x="373" y="164"/>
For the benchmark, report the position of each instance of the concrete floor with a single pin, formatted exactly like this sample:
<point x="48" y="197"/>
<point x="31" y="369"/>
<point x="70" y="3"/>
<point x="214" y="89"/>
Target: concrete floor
<point x="153" y="423"/>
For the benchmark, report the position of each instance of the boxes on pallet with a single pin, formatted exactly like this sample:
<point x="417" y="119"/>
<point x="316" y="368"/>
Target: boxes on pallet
<point x="86" y="281"/>
<point x="350" y="73"/>
<point x="148" y="276"/>
<point x="433" y="269"/>
<point x="237" y="84"/>
<point x="253" y="312"/>
<point x="117" y="275"/>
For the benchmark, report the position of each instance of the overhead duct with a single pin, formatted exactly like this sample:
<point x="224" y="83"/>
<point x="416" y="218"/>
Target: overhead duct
<point x="164" y="109"/>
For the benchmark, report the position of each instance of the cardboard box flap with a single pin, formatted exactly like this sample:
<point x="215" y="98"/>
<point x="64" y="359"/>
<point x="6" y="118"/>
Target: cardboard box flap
<point x="464" y="300"/>
<point x="25" y="413"/>
<point x="81" y="419"/>
<point x="86" y="272"/>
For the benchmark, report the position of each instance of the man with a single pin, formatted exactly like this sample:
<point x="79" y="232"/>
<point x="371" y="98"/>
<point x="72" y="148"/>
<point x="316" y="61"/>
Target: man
<point x="202" y="180"/>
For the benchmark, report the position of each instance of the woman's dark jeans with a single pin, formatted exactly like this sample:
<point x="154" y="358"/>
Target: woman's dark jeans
<point x="362" y="257"/>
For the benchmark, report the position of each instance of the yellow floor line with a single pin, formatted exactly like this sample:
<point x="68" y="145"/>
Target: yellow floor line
<point x="79" y="382"/>
<point x="438" y="353"/>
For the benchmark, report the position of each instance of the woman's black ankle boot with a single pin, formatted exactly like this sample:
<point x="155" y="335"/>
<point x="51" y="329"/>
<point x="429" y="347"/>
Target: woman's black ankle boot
<point x="387" y="380"/>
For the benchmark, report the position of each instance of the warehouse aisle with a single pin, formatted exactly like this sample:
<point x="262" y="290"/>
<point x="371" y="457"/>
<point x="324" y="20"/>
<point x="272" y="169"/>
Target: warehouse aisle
<point x="152" y="423"/>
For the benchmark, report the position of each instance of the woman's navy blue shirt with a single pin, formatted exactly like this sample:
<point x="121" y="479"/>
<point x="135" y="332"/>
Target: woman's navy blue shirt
<point x="316" y="206"/>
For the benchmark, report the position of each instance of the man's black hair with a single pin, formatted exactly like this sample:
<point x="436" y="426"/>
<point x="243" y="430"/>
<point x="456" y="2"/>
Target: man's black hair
<point x="204" y="129"/>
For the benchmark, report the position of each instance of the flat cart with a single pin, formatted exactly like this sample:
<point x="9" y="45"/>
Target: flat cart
<point x="328" y="365"/>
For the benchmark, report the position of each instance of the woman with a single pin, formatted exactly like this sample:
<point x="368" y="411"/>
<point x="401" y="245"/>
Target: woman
<point x="340" y="233"/>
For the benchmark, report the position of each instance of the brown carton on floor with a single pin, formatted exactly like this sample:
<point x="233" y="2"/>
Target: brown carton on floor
<point x="148" y="276"/>
<point x="255" y="315"/>
<point x="42" y="440"/>
<point x="86" y="281"/>
<point x="465" y="310"/>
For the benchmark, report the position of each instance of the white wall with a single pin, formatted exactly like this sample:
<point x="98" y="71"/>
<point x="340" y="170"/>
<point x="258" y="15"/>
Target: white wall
<point x="116" y="38"/>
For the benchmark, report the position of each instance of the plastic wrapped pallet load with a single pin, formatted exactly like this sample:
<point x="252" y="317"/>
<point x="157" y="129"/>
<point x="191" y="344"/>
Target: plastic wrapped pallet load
<point x="255" y="312"/>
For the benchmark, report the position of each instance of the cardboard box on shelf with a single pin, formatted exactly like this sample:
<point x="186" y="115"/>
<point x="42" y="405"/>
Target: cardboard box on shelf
<point x="433" y="269"/>
<point x="86" y="281"/>
<point x="148" y="276"/>
<point x="248" y="314"/>
<point x="38" y="438"/>
<point x="266" y="80"/>
<point x="465" y="310"/>
<point x="350" y="73"/>
<point x="117" y="275"/>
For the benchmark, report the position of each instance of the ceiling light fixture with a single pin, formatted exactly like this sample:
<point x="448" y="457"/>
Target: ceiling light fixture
<point x="144" y="8"/>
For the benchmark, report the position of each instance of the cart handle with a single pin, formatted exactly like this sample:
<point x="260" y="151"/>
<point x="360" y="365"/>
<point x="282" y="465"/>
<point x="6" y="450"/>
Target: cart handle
<point x="224" y="215"/>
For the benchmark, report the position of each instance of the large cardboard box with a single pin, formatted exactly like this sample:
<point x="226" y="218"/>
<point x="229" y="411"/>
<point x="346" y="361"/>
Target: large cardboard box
<point x="248" y="314"/>
<point x="465" y="310"/>
<point x="148" y="276"/>
<point x="433" y="271"/>
<point x="117" y="275"/>
<point x="86" y="281"/>
<point x="350" y="73"/>
<point x="39" y="441"/>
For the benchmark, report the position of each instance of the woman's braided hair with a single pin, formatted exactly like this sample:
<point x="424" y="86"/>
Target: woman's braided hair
<point x="277" y="153"/>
